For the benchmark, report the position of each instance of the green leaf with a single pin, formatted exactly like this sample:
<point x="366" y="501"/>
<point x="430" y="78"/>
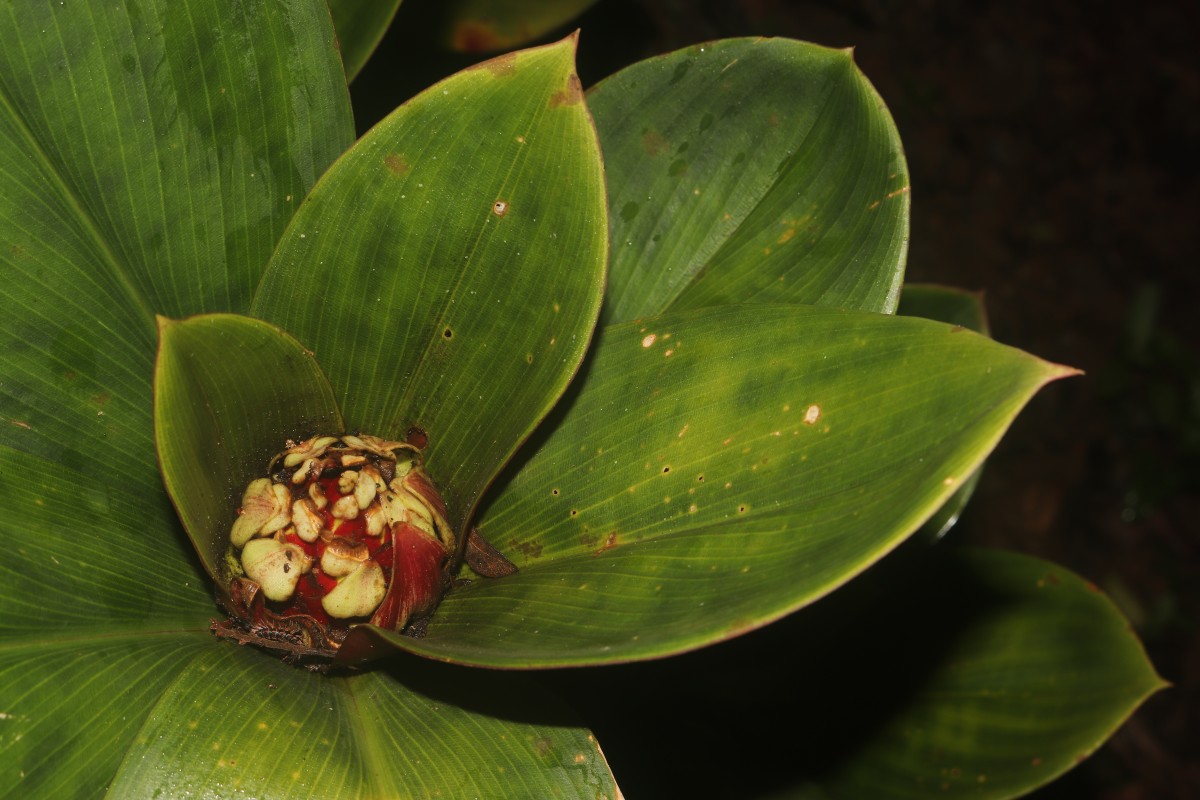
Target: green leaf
<point x="360" y="24"/>
<point x="228" y="392"/>
<point x="98" y="591"/>
<point x="107" y="668"/>
<point x="1004" y="671"/>
<point x="750" y="170"/>
<point x="956" y="307"/>
<point x="150" y="154"/>
<point x="935" y="667"/>
<point x="240" y="722"/>
<point x="720" y="468"/>
<point x="488" y="26"/>
<point x="175" y="139"/>
<point x="447" y="272"/>
<point x="944" y="304"/>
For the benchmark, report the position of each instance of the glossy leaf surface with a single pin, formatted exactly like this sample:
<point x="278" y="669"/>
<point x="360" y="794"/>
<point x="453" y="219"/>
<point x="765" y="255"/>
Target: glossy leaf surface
<point x="229" y="391"/>
<point x="956" y="307"/>
<point x="149" y="157"/>
<point x="360" y="24"/>
<point x="488" y="26"/>
<point x="750" y="170"/>
<point x="940" y="671"/>
<point x="448" y="271"/>
<point x="720" y="468"/>
<point x="150" y="154"/>
<point x="107" y="668"/>
<point x="246" y="723"/>
<point x="177" y="137"/>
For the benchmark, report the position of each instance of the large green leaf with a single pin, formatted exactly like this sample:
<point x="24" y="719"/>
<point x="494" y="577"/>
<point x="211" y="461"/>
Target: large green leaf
<point x="720" y="468"/>
<point x="360" y="24"/>
<point x="149" y="157"/>
<point x="228" y="392"/>
<point x="150" y="154"/>
<point x="245" y="724"/>
<point x="106" y="668"/>
<point x="100" y="601"/>
<point x="488" y="26"/>
<point x="1016" y="672"/>
<point x="763" y="170"/>
<point x="957" y="307"/>
<point x="447" y="271"/>
<point x="936" y="667"/>
<point x="179" y="136"/>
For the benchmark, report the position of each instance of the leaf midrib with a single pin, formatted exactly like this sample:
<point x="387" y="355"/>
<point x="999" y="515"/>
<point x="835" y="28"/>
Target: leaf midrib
<point x="74" y="638"/>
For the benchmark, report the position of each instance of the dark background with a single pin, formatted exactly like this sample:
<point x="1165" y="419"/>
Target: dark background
<point x="1054" y="150"/>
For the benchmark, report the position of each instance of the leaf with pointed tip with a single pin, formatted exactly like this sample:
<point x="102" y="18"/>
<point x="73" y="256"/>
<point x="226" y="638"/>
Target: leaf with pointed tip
<point x="488" y="26"/>
<point x="957" y="307"/>
<point x="934" y="668"/>
<point x="1003" y="672"/>
<point x="750" y="170"/>
<point x="720" y="468"/>
<point x="360" y="24"/>
<point x="228" y="392"/>
<point x="150" y="154"/>
<point x="448" y="270"/>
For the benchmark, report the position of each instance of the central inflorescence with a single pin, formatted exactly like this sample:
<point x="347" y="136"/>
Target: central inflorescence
<point x="342" y="530"/>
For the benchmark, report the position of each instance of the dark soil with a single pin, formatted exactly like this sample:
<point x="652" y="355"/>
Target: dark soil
<point x="1054" y="150"/>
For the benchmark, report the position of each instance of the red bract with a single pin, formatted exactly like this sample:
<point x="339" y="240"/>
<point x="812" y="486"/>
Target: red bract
<point x="343" y="530"/>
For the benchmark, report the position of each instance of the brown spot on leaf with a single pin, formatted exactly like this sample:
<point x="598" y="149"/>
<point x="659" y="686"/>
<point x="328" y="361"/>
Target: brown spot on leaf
<point x="570" y="95"/>
<point x="527" y="549"/>
<point x="610" y="542"/>
<point x="101" y="399"/>
<point x="396" y="164"/>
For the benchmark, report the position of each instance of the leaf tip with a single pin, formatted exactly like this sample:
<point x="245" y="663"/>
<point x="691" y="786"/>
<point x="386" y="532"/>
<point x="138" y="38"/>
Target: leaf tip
<point x="1054" y="372"/>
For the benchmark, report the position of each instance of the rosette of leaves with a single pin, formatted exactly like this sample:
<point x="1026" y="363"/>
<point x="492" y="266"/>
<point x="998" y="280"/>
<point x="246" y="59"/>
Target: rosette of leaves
<point x="737" y="427"/>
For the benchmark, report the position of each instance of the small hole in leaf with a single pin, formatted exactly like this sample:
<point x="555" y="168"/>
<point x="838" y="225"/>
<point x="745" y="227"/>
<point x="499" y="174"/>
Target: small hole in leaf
<point x="666" y="469"/>
<point x="448" y="334"/>
<point x="500" y="208"/>
<point x="554" y="492"/>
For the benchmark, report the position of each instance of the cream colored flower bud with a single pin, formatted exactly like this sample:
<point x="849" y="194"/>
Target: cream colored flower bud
<point x="342" y="556"/>
<point x="345" y="508"/>
<point x="317" y="496"/>
<point x="347" y="481"/>
<point x="310" y="448"/>
<point x="358" y="594"/>
<point x="275" y="566"/>
<point x="307" y="521"/>
<point x="261" y="507"/>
